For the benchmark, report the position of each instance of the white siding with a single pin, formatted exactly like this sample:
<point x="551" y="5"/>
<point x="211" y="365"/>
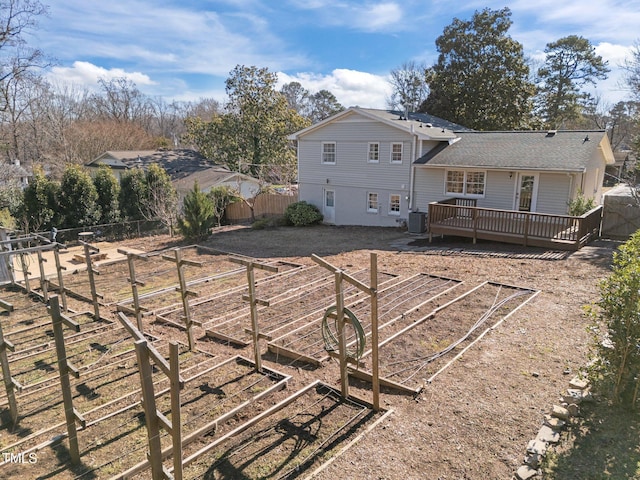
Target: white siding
<point x="499" y="190"/>
<point x="553" y="193"/>
<point x="430" y="187"/>
<point x="353" y="176"/>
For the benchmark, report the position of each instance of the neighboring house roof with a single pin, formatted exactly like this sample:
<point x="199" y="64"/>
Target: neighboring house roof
<point x="177" y="163"/>
<point x="569" y="151"/>
<point x="13" y="173"/>
<point x="423" y="125"/>
<point x="212" y="177"/>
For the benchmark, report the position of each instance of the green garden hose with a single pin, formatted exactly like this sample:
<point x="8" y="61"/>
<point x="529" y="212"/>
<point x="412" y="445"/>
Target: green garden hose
<point x="330" y="336"/>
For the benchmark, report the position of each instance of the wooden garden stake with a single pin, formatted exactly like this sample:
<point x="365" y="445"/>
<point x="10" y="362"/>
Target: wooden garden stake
<point x="134" y="284"/>
<point x="25" y="270"/>
<point x="342" y="344"/>
<point x="253" y="302"/>
<point x="43" y="280"/>
<point x="9" y="383"/>
<point x="88" y="250"/>
<point x="71" y="415"/>
<point x="150" y="411"/>
<point x="59" y="268"/>
<point x="154" y="418"/>
<point x="375" y="384"/>
<point x="184" y="292"/>
<point x="176" y="423"/>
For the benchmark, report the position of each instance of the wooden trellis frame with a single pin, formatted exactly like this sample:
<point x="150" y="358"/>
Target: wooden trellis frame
<point x="372" y="290"/>
<point x="137" y="311"/>
<point x="9" y="382"/>
<point x="253" y="302"/>
<point x="185" y="293"/>
<point x="6" y="251"/>
<point x="88" y="251"/>
<point x="154" y="419"/>
<point x="64" y="368"/>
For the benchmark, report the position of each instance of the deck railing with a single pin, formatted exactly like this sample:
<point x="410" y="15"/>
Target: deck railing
<point x="461" y="217"/>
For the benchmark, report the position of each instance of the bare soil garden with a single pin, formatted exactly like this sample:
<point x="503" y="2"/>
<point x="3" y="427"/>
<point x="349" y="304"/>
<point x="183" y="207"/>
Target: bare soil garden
<point x="477" y="342"/>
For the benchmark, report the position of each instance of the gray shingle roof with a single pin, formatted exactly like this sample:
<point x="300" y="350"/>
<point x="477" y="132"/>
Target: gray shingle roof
<point x="519" y="150"/>
<point x="420" y="118"/>
<point x="177" y="163"/>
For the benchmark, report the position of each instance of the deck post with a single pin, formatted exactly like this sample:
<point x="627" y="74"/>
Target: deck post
<point x="475" y="225"/>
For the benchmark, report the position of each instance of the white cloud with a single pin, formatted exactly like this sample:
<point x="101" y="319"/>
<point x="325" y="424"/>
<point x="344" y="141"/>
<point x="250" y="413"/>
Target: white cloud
<point x="85" y="74"/>
<point x="368" y="16"/>
<point x="351" y="87"/>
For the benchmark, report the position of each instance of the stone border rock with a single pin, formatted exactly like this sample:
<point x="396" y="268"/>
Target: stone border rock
<point x="553" y="423"/>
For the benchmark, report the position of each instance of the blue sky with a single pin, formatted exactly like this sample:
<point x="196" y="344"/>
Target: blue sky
<point x="185" y="49"/>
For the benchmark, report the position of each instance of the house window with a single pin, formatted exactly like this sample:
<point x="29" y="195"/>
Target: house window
<point x="455" y="182"/>
<point x="372" y="202"/>
<point x="396" y="153"/>
<point x="459" y="182"/>
<point x="394" y="204"/>
<point x="374" y="153"/>
<point x="329" y="153"/>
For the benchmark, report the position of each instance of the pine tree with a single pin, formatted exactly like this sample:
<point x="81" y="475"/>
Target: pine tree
<point x="198" y="215"/>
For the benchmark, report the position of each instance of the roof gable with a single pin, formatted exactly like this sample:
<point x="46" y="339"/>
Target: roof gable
<point x="522" y="150"/>
<point x="423" y="125"/>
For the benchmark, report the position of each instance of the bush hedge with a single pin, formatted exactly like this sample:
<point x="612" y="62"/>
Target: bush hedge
<point x="301" y="214"/>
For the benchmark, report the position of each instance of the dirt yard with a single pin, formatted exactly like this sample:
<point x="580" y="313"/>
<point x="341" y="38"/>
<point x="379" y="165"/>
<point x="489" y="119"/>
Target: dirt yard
<point x="475" y="418"/>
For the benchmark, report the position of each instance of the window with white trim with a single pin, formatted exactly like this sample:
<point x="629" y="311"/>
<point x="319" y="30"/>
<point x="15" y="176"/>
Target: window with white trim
<point x="394" y="204"/>
<point x="396" y="152"/>
<point x="372" y="202"/>
<point x="329" y="153"/>
<point x="462" y="182"/>
<point x="374" y="152"/>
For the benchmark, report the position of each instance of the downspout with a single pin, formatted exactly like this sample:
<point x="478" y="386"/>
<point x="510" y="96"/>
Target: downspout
<point x="412" y="170"/>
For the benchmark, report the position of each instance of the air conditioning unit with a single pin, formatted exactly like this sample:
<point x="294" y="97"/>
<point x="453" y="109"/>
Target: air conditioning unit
<point x="417" y="222"/>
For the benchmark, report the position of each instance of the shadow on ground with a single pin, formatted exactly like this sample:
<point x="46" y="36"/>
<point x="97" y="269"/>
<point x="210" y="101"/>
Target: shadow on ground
<point x="606" y="445"/>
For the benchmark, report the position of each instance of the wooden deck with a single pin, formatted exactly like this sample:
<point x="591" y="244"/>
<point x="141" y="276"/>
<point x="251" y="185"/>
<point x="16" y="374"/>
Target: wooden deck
<point x="460" y="217"/>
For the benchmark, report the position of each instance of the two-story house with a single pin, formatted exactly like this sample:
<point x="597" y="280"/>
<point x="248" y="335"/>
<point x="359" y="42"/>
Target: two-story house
<point x="373" y="167"/>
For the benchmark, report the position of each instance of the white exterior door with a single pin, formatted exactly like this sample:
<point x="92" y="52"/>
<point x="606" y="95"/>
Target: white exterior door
<point x="329" y="206"/>
<point x="526" y="192"/>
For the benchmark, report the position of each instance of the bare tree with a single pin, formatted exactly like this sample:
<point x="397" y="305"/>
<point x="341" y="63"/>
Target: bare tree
<point x="17" y="18"/>
<point x="409" y="85"/>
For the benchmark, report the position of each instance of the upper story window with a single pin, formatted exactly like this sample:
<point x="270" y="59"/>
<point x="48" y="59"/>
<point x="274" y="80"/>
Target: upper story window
<point x="396" y="153"/>
<point x="372" y="202"/>
<point x="374" y="152"/>
<point x="461" y="182"/>
<point x="394" y="204"/>
<point x="329" y="153"/>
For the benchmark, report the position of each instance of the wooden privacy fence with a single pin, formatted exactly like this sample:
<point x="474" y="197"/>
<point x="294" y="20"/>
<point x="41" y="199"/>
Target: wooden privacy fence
<point x="265" y="205"/>
<point x="529" y="229"/>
